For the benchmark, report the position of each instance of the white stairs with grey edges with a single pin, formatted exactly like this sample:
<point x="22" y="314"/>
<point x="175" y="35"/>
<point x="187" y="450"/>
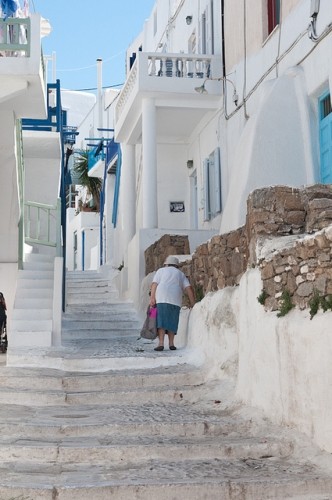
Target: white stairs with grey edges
<point x="31" y="319"/>
<point x="120" y="421"/>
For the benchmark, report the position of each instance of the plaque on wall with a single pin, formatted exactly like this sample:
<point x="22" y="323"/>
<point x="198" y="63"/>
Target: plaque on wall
<point x="176" y="206"/>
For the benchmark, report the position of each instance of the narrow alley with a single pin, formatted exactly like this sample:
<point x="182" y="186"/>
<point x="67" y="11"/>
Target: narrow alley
<point x="111" y="418"/>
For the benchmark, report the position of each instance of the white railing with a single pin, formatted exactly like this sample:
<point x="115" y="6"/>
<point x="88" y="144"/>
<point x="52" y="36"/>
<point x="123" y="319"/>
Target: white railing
<point x="15" y="35"/>
<point x="43" y="224"/>
<point x="20" y="186"/>
<point x="179" y="65"/>
<point x="154" y="65"/>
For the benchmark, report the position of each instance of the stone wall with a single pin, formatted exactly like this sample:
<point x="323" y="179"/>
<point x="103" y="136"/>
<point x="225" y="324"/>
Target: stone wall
<point x="301" y="269"/>
<point x="218" y="263"/>
<point x="283" y="211"/>
<point x="273" y="213"/>
<point x="156" y="254"/>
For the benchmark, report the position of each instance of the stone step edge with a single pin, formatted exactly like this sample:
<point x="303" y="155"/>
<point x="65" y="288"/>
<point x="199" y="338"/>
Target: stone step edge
<point x="93" y="364"/>
<point x="216" y="487"/>
<point x="176" y="393"/>
<point x="81" y="450"/>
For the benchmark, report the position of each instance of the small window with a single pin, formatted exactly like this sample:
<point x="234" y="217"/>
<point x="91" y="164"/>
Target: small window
<point x="273" y="14"/>
<point x="212" y="185"/>
<point x="325" y="106"/>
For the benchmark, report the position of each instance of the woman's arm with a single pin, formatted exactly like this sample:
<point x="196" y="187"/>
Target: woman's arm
<point x="191" y="296"/>
<point x="153" y="294"/>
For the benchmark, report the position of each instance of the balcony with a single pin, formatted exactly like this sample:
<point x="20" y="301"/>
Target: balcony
<point x="21" y="66"/>
<point x="170" y="79"/>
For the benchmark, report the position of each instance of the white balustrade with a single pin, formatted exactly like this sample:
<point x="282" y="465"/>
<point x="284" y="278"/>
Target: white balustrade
<point x="163" y="65"/>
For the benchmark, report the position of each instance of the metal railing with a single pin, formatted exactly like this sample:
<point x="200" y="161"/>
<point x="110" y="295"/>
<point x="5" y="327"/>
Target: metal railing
<point x="20" y="187"/>
<point x="15" y="36"/>
<point x="43" y="224"/>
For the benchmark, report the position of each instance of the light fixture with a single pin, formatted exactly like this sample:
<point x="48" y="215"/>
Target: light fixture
<point x="202" y="90"/>
<point x="190" y="163"/>
<point x="189" y="19"/>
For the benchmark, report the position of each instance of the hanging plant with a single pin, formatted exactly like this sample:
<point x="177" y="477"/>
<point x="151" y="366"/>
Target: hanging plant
<point x="93" y="185"/>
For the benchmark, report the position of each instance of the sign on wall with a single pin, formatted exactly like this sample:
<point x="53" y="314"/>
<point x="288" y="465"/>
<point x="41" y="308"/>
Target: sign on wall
<point x="176" y="206"/>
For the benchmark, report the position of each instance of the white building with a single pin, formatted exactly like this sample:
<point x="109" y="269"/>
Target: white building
<point x="221" y="97"/>
<point x="30" y="160"/>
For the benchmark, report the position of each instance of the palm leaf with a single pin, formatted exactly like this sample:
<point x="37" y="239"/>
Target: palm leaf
<point x="93" y="184"/>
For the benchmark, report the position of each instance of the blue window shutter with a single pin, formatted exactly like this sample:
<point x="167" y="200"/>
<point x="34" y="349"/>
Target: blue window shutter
<point x="325" y="139"/>
<point x="117" y="188"/>
<point x="207" y="214"/>
<point x="217" y="180"/>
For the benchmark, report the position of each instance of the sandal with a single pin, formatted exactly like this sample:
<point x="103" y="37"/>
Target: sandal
<point x="159" y="348"/>
<point x="172" y="348"/>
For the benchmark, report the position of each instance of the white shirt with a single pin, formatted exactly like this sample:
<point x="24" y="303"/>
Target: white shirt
<point x="171" y="284"/>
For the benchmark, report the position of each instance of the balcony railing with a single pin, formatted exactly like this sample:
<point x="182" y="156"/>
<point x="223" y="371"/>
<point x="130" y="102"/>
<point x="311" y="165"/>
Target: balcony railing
<point x="179" y="66"/>
<point x="15" y="36"/>
<point x="150" y="66"/>
<point x="43" y="224"/>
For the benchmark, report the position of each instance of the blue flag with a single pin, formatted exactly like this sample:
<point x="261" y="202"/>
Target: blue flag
<point x="9" y="8"/>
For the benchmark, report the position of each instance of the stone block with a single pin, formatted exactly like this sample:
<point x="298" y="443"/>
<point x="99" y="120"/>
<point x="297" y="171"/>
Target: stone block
<point x="305" y="289"/>
<point x="267" y="271"/>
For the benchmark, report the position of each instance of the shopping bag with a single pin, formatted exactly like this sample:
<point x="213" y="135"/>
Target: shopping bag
<point x="149" y="329"/>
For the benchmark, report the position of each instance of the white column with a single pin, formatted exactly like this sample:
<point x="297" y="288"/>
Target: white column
<point x="128" y="192"/>
<point x="149" y="174"/>
<point x="100" y="92"/>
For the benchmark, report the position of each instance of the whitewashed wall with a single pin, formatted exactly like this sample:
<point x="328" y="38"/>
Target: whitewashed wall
<point x="280" y="365"/>
<point x="89" y="223"/>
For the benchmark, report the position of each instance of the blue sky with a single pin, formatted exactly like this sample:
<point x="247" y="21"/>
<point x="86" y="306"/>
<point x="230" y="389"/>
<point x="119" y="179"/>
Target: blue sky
<point x="83" y="31"/>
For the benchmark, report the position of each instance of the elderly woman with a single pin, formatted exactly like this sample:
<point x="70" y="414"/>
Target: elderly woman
<point x="167" y="288"/>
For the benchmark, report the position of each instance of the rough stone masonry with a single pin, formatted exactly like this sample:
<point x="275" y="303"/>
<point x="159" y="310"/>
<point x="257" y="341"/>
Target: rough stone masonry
<point x="298" y="219"/>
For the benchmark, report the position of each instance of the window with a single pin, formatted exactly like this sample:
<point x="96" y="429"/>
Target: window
<point x="325" y="138"/>
<point x="212" y="185"/>
<point x="273" y="14"/>
<point x="207" y="30"/>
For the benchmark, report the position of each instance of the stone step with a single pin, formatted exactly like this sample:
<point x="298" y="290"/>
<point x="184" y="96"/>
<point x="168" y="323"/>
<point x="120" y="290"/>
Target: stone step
<point x="118" y="306"/>
<point x="82" y="299"/>
<point x="151" y="419"/>
<point x="31" y="314"/>
<point x="112" y="313"/>
<point x="33" y="338"/>
<point x="98" y="330"/>
<point x="39" y="379"/>
<point x="163" y="480"/>
<point x="99" y="397"/>
<point x="90" y="284"/>
<point x="39" y="266"/>
<point x="40" y="293"/>
<point x="35" y="274"/>
<point x="36" y="284"/>
<point x="38" y="257"/>
<point x="32" y="325"/>
<point x="34" y="303"/>
<point x="135" y="449"/>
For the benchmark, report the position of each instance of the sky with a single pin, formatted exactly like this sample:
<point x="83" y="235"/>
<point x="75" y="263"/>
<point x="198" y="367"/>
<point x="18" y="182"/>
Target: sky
<point x="83" y="31"/>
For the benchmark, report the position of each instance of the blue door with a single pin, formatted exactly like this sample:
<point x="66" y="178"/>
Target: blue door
<point x="325" y="139"/>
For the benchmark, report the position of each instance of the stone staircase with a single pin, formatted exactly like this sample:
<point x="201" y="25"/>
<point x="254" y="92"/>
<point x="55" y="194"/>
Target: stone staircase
<point x="109" y="418"/>
<point x="31" y="321"/>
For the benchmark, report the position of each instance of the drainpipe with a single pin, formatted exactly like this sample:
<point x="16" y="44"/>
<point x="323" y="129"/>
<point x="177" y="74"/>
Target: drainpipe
<point x="99" y="92"/>
<point x="223" y="54"/>
<point x="223" y="41"/>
